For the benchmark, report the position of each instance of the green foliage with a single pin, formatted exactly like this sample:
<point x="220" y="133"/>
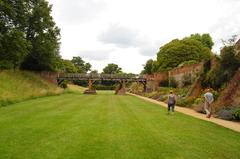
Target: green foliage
<point x="94" y="72"/>
<point x="14" y="48"/>
<point x="205" y="39"/>
<point x="215" y="78"/>
<point x="178" y="51"/>
<point x="148" y="67"/>
<point x="226" y="66"/>
<point x="81" y="65"/>
<point x="112" y="69"/>
<point x="236" y="114"/>
<point x="28" y="35"/>
<point x="44" y="36"/>
<point x="191" y="62"/>
<point x="229" y="59"/>
<point x="185" y="102"/>
<point x="229" y="113"/>
<point x="68" y="67"/>
<point x="136" y="88"/>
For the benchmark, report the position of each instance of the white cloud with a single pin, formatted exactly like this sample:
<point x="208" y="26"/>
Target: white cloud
<point x="129" y="32"/>
<point x="77" y="11"/>
<point x="97" y="55"/>
<point x="120" y="36"/>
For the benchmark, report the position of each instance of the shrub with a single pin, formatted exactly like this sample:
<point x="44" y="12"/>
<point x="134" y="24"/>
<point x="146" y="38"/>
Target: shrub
<point x="136" y="88"/>
<point x="225" y="113"/>
<point x="236" y="114"/>
<point x="198" y="101"/>
<point x="6" y="65"/>
<point x="216" y="94"/>
<point x="185" y="102"/>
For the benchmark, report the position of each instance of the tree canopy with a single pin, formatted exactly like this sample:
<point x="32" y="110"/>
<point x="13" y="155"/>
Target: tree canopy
<point x="29" y="36"/>
<point x="148" y="67"/>
<point x="177" y="51"/>
<point x="112" y="69"/>
<point x="81" y="65"/>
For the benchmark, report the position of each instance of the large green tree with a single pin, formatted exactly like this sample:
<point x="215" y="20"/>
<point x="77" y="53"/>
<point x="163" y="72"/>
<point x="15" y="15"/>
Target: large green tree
<point x="44" y="36"/>
<point x="29" y="34"/>
<point x="112" y="69"/>
<point x="178" y="51"/>
<point x="148" y="67"/>
<point x="14" y="46"/>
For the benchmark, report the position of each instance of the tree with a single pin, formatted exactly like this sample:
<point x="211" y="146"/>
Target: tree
<point x="13" y="45"/>
<point x="177" y="51"/>
<point x="80" y="64"/>
<point x="28" y="32"/>
<point x="205" y="39"/>
<point x="229" y="59"/>
<point x="87" y="67"/>
<point x="148" y="67"/>
<point x="13" y="48"/>
<point x="44" y="36"/>
<point x="94" y="72"/>
<point x="68" y="66"/>
<point x="112" y="69"/>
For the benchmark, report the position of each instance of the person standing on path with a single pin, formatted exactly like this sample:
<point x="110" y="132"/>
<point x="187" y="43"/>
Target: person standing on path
<point x="208" y="97"/>
<point x="171" y="101"/>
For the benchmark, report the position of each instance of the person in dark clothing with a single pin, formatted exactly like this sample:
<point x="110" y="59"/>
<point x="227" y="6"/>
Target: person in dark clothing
<point x="171" y="102"/>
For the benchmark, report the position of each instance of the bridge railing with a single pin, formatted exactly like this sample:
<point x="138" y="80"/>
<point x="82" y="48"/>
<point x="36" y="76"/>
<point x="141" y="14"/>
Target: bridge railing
<point x="100" y="76"/>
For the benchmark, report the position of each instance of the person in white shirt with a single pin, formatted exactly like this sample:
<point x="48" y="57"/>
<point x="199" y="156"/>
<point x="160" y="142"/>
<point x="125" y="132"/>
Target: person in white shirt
<point x="208" y="97"/>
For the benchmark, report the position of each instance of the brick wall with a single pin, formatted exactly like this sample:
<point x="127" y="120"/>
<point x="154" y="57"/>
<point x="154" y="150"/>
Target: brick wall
<point x="176" y="73"/>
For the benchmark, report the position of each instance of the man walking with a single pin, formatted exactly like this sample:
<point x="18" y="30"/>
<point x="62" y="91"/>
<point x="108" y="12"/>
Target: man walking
<point x="208" y="96"/>
<point x="171" y="101"/>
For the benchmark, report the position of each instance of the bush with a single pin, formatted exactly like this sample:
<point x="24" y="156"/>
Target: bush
<point x="136" y="88"/>
<point x="236" y="114"/>
<point x="6" y="65"/>
<point x="198" y="101"/>
<point x="185" y="102"/>
<point x="225" y="113"/>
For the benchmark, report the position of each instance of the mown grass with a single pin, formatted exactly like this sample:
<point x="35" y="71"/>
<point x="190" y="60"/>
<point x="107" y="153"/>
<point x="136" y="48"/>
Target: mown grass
<point x="17" y="86"/>
<point x="106" y="126"/>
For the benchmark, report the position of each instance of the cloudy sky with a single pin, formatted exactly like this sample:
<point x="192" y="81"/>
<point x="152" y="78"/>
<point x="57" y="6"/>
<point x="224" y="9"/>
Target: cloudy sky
<point x="129" y="32"/>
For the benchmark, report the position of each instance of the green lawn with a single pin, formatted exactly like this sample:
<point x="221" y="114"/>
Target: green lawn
<point x="107" y="126"/>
